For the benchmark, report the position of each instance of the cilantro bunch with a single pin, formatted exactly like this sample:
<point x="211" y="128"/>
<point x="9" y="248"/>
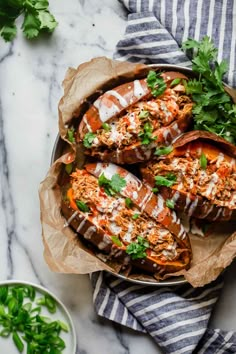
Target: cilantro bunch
<point x="213" y="110"/>
<point x="37" y="18"/>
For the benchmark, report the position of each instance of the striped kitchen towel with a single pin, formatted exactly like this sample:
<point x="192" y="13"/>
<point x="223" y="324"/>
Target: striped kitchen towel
<point x="176" y="317"/>
<point x="157" y="28"/>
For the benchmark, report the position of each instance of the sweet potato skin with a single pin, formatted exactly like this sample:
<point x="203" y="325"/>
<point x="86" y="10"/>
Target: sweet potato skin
<point x="195" y="205"/>
<point x="83" y="224"/>
<point x="118" y="100"/>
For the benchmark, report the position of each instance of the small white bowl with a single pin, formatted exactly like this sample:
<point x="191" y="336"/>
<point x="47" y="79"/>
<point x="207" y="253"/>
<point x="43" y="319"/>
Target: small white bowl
<point x="7" y="345"/>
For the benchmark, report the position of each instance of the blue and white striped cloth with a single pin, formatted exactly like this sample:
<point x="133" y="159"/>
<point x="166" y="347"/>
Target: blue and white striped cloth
<point x="175" y="317"/>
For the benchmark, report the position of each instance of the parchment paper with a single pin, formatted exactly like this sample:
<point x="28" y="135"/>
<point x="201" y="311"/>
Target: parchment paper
<point x="64" y="252"/>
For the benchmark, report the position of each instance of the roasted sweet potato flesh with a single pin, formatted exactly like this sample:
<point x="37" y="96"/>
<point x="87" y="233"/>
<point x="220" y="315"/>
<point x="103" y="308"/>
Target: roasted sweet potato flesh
<point x="205" y="185"/>
<point x="128" y="122"/>
<point x="112" y="222"/>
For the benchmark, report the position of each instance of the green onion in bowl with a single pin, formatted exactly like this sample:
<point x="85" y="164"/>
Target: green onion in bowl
<point x="33" y="320"/>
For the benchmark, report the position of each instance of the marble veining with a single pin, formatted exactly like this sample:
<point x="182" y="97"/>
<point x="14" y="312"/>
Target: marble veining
<point x="30" y="88"/>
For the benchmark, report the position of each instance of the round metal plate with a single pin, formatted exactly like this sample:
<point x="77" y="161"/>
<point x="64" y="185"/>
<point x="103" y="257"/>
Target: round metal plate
<point x="58" y="148"/>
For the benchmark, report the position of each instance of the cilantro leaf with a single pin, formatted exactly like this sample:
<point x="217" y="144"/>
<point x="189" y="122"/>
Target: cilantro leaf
<point x="117" y="182"/>
<point x="88" y="139"/>
<point x="31" y="25"/>
<point x="8" y="32"/>
<point x="143" y="114"/>
<point x="138" y="249"/>
<point x="146" y="135"/>
<point x="113" y="185"/>
<point x="82" y="206"/>
<point x="163" y="150"/>
<point x="156" y="83"/>
<point x="167" y="180"/>
<point x="47" y="21"/>
<point x="135" y="216"/>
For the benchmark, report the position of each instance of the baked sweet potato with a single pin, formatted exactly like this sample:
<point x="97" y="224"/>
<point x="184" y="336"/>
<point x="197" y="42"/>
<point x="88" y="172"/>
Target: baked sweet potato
<point x="199" y="176"/>
<point x="116" y="212"/>
<point x="127" y="123"/>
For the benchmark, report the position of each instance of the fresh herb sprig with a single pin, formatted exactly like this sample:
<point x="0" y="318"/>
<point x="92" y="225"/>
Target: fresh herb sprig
<point x="113" y="185"/>
<point x="156" y="83"/>
<point x="138" y="249"/>
<point x="37" y="18"/>
<point x="88" y="139"/>
<point x="146" y="135"/>
<point x="21" y="319"/>
<point x="213" y="108"/>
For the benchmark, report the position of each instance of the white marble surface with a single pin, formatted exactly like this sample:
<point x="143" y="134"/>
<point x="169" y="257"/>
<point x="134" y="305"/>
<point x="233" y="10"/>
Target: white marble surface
<point x="31" y="74"/>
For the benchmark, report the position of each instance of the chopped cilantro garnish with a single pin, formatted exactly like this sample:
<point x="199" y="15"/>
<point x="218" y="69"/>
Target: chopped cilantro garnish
<point x="175" y="82"/>
<point x="128" y="202"/>
<point x="113" y="185"/>
<point x="88" y="139"/>
<point x="146" y="135"/>
<point x="213" y="108"/>
<point x="138" y="249"/>
<point x="163" y="150"/>
<point x="170" y="203"/>
<point x="135" y="216"/>
<point x="143" y="114"/>
<point x="70" y="135"/>
<point x="155" y="190"/>
<point x="156" y="83"/>
<point x="82" y="206"/>
<point x="117" y="241"/>
<point x="106" y="127"/>
<point x="167" y="180"/>
<point x="203" y="161"/>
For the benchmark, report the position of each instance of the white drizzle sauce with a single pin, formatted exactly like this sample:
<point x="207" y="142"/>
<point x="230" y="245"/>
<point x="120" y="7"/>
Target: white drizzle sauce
<point x="138" y="89"/>
<point x="89" y="232"/>
<point x="127" y="236"/>
<point x="87" y="123"/>
<point x="212" y="184"/>
<point x="220" y="159"/>
<point x="218" y="214"/>
<point x="105" y="113"/>
<point x="176" y="128"/>
<point x="120" y="98"/>
<point x="72" y="216"/>
<point x="193" y="206"/>
<point x="166" y="132"/>
<point x="81" y="225"/>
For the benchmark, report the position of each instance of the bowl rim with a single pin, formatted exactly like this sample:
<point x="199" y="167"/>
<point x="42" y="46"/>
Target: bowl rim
<point x="41" y="288"/>
<point x="178" y="280"/>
